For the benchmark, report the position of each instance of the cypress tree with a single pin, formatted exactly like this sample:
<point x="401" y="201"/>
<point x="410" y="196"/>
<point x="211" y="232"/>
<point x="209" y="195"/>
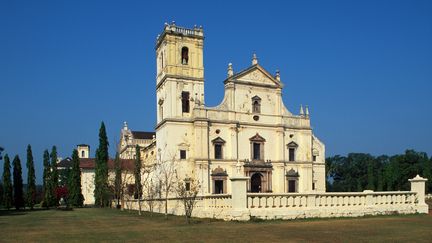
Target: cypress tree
<point x="137" y="173"/>
<point x="18" y="183"/>
<point x="31" y="179"/>
<point x="54" y="175"/>
<point x="101" y="169"/>
<point x="75" y="194"/>
<point x="1" y="193"/>
<point x="48" y="197"/>
<point x="7" y="183"/>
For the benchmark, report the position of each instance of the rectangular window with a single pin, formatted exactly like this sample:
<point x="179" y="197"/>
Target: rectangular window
<point x="291" y="154"/>
<point x="219" y="187"/>
<point x="185" y="102"/>
<point x="292" y="186"/>
<point x="187" y="186"/>
<point x="313" y="185"/>
<point x="182" y="154"/>
<point x="218" y="151"/>
<point x="314" y="158"/>
<point x="256" y="151"/>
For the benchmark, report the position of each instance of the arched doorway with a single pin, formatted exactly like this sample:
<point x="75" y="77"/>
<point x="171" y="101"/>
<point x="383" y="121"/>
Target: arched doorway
<point x="256" y="182"/>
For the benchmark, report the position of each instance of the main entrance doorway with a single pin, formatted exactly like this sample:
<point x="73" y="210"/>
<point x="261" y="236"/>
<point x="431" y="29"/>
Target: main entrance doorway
<point x="256" y="182"/>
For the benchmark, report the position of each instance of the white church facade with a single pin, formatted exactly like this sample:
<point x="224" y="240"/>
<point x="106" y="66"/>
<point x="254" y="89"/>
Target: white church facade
<point x="251" y="156"/>
<point x="251" y="127"/>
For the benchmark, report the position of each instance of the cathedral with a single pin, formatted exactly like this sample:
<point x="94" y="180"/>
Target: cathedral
<point x="251" y="128"/>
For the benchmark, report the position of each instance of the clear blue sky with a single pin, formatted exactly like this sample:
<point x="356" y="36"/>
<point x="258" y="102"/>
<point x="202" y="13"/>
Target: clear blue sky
<point x="363" y="67"/>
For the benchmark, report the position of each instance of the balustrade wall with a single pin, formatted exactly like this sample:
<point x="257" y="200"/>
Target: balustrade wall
<point x="243" y="205"/>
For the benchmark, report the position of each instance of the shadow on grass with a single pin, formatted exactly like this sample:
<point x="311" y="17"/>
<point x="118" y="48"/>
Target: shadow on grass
<point x="178" y="220"/>
<point x="20" y="212"/>
<point x="12" y="212"/>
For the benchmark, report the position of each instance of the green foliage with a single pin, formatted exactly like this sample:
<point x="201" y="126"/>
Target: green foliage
<point x="18" y="183"/>
<point x="48" y="195"/>
<point x="31" y="179"/>
<point x="7" y="183"/>
<point x="101" y="191"/>
<point x="137" y="173"/>
<point x="76" y="198"/>
<point x="54" y="175"/>
<point x="357" y="171"/>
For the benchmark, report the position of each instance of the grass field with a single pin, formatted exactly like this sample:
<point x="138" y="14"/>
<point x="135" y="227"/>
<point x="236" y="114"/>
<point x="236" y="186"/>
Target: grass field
<point x="92" y="224"/>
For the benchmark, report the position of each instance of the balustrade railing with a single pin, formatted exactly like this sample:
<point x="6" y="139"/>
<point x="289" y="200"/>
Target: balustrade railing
<point x="298" y="200"/>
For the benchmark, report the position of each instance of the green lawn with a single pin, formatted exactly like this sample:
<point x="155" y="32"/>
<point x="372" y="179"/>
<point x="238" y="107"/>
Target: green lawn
<point x="91" y="224"/>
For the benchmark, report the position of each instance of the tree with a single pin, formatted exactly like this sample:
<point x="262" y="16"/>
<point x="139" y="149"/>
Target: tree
<point x="370" y="175"/>
<point x="1" y="150"/>
<point x="31" y="179"/>
<point x="150" y="194"/>
<point x="137" y="175"/>
<point x="7" y="184"/>
<point x="54" y="175"/>
<point x="187" y="191"/>
<point x="101" y="191"/>
<point x="166" y="171"/>
<point x="48" y="195"/>
<point x="18" y="183"/>
<point x="117" y="179"/>
<point x="76" y="197"/>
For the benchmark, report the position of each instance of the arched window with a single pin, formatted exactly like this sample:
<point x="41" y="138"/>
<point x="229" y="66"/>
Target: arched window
<point x="184" y="55"/>
<point x="160" y="102"/>
<point x="256" y="104"/>
<point x="82" y="154"/>
<point x="162" y="64"/>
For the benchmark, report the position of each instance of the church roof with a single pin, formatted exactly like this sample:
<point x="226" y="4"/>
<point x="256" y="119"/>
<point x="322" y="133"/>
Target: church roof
<point x="89" y="163"/>
<point x="143" y="135"/>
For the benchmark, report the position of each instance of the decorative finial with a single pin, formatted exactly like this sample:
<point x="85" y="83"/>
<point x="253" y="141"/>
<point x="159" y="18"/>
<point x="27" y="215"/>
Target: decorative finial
<point x="125" y="126"/>
<point x="307" y="111"/>
<point x="254" y="59"/>
<point x="173" y="23"/>
<point x="166" y="24"/>
<point x="301" y="110"/>
<point x="277" y="75"/>
<point x="230" y="70"/>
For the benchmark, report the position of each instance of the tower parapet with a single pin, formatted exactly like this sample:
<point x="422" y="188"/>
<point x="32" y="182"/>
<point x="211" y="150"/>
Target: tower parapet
<point x="195" y="32"/>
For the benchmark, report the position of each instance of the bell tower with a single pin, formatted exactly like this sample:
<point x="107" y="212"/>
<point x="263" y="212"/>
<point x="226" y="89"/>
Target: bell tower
<point x="179" y="72"/>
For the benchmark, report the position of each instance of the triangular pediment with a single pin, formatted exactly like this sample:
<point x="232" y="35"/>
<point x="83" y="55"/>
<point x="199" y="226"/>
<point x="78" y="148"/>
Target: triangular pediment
<point x="218" y="140"/>
<point x="257" y="138"/>
<point x="292" y="145"/>
<point x="255" y="75"/>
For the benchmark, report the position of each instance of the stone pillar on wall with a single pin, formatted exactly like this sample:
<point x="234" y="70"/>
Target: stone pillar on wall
<point x="418" y="186"/>
<point x="239" y="209"/>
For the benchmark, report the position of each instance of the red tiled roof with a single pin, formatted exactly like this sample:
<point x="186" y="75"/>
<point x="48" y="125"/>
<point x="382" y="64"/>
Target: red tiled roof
<point x="89" y="163"/>
<point x="143" y="135"/>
